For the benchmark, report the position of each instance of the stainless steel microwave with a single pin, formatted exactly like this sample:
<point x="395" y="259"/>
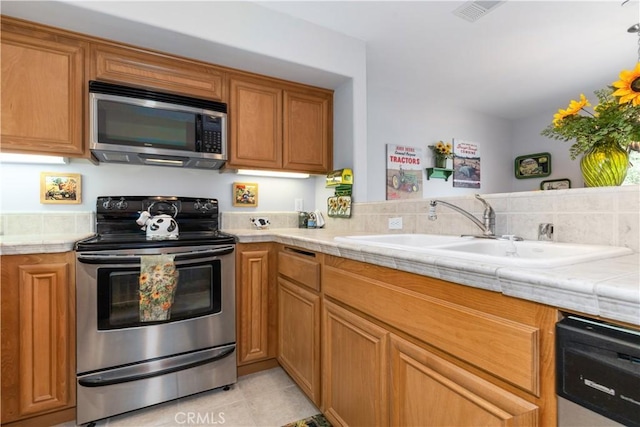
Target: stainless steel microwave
<point x="139" y="126"/>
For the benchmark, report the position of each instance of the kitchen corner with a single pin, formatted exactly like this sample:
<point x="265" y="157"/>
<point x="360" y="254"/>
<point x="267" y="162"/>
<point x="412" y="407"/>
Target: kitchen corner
<point x="606" y="288"/>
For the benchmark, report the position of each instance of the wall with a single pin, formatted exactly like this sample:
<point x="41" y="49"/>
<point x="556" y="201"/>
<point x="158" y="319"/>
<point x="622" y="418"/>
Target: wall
<point x="20" y="186"/>
<point x="291" y="49"/>
<point x="368" y="114"/>
<point x="399" y="118"/>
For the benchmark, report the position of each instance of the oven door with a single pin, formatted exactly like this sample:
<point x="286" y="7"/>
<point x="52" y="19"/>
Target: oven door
<point x="110" y="328"/>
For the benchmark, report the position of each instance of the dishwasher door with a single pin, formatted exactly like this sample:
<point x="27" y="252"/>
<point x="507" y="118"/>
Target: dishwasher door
<point x="597" y="373"/>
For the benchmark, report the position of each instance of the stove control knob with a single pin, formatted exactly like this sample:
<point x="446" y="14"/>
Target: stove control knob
<point x="122" y="204"/>
<point x="108" y="204"/>
<point x="208" y="206"/>
<point x="198" y="205"/>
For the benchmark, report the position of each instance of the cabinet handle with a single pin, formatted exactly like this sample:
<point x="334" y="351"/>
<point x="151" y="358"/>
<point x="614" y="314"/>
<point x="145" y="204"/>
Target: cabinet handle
<point x="300" y="252"/>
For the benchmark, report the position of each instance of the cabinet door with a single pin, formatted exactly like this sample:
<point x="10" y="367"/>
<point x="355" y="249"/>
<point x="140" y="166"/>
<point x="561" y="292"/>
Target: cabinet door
<point x="308" y="130"/>
<point x="38" y="335"/>
<point x="42" y="94"/>
<point x="428" y="390"/>
<point x="255" y="133"/>
<point x="355" y="366"/>
<point x="154" y="70"/>
<point x="256" y="303"/>
<point x="299" y="336"/>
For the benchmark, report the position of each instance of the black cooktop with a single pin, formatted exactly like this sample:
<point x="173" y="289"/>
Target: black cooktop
<point x="116" y="225"/>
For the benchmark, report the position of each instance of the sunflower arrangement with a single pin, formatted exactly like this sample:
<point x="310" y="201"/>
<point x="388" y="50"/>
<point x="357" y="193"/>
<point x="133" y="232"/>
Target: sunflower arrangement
<point x="442" y="149"/>
<point x="615" y="117"/>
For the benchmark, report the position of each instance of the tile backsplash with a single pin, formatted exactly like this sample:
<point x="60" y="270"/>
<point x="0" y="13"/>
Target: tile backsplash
<point x="603" y="216"/>
<point x="36" y="223"/>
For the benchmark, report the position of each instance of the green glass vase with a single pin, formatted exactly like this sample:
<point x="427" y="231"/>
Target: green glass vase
<point x="605" y="165"/>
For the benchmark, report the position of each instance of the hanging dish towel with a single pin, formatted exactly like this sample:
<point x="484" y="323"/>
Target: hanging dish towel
<point x="157" y="287"/>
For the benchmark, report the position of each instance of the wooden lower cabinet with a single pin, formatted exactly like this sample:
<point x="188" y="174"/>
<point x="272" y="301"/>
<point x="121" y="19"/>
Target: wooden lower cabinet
<point x="354" y="369"/>
<point x="38" y="338"/>
<point x="458" y="355"/>
<point x="299" y="336"/>
<point x="427" y="390"/>
<point x="256" y="302"/>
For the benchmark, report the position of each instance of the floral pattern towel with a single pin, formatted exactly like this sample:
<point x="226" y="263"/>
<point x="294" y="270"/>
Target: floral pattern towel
<point x="157" y="287"/>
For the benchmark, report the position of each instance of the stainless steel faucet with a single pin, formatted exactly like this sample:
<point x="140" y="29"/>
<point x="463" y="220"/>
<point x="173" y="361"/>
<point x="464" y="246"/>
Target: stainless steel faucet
<point x="488" y="223"/>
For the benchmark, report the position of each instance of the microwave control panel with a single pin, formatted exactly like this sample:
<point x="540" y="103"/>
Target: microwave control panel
<point x="211" y="141"/>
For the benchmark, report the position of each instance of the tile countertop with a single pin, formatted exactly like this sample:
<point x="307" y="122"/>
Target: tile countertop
<point x="609" y="288"/>
<point x="22" y="244"/>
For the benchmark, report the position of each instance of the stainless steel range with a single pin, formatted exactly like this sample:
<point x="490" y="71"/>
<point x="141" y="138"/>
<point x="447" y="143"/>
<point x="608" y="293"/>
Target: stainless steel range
<point x="155" y="316"/>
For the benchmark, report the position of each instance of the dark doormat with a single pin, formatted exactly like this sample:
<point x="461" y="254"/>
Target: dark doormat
<point x="313" y="421"/>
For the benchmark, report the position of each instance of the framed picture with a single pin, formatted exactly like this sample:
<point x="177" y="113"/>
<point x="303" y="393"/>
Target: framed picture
<point x="555" y="184"/>
<point x="245" y="194"/>
<point x="62" y="188"/>
<point x="533" y="165"/>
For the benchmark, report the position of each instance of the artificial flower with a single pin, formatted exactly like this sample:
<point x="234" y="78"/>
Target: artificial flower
<point x="573" y="109"/>
<point x="628" y="86"/>
<point x="442" y="149"/>
<point x="615" y="117"/>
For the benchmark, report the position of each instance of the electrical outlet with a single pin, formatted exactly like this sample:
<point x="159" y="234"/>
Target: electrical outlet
<point x="395" y="223"/>
<point x="299" y="205"/>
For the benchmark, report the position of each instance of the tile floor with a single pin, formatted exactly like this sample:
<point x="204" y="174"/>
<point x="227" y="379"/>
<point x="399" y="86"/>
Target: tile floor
<point x="263" y="399"/>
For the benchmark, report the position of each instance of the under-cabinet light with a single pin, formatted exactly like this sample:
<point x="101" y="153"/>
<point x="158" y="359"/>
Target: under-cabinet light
<point x="33" y="159"/>
<point x="274" y="174"/>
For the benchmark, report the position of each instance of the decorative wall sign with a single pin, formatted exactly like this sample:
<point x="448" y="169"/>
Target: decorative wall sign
<point x="339" y="206"/>
<point x="60" y="188"/>
<point x="533" y="166"/>
<point x="245" y="194"/>
<point x="404" y="172"/>
<point x="555" y="184"/>
<point x="466" y="164"/>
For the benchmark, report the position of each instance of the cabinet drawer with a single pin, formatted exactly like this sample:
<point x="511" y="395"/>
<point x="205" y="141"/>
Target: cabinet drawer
<point x="300" y="266"/>
<point x="507" y="349"/>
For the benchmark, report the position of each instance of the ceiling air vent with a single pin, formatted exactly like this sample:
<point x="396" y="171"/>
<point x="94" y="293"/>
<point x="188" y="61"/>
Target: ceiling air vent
<point x="474" y="10"/>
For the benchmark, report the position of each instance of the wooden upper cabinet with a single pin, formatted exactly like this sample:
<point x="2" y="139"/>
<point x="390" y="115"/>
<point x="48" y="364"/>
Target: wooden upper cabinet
<point x="42" y="98"/>
<point x="130" y="66"/>
<point x="255" y="131"/>
<point x="277" y="126"/>
<point x="307" y="133"/>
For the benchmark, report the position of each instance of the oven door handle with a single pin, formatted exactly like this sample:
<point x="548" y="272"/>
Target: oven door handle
<point x="156" y="368"/>
<point x="135" y="259"/>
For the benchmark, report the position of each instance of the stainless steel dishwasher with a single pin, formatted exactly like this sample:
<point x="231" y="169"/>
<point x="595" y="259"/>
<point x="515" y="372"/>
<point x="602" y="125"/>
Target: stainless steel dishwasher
<point x="598" y="373"/>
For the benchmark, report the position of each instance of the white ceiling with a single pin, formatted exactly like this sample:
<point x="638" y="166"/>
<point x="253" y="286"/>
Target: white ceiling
<point x="521" y="58"/>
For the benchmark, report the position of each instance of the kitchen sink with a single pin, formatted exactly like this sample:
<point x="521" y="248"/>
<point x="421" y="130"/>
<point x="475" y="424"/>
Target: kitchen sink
<point x="527" y="253"/>
<point x="530" y="252"/>
<point x="404" y="241"/>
